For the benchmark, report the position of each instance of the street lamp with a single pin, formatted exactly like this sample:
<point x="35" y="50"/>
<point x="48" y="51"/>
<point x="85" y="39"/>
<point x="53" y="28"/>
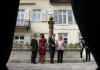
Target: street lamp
<point x="28" y="24"/>
<point x="50" y="22"/>
<point x="51" y="27"/>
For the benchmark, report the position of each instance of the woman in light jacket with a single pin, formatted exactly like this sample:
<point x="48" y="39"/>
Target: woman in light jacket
<point x="60" y="49"/>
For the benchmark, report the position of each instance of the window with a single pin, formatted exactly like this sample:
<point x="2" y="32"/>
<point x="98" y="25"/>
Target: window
<point x="21" y="37"/>
<point x="38" y="15"/>
<point x="20" y="17"/>
<point x="70" y="17"/>
<point x="64" y="36"/>
<point x="63" y="16"/>
<point x="16" y="37"/>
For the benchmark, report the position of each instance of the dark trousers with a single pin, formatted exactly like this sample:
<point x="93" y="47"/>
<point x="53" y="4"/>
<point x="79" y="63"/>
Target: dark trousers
<point x="33" y="56"/>
<point x="52" y="52"/>
<point x="88" y="57"/>
<point x="60" y="56"/>
<point x="81" y="52"/>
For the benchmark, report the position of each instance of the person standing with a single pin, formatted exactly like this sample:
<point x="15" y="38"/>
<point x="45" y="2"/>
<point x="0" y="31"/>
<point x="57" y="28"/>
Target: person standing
<point x="42" y="48"/>
<point x="85" y="48"/>
<point x="51" y="42"/>
<point x="34" y="44"/>
<point x="88" y="55"/>
<point x="82" y="46"/>
<point x="60" y="48"/>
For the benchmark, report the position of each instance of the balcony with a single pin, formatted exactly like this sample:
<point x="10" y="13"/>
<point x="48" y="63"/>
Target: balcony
<point x="60" y="1"/>
<point x="23" y="27"/>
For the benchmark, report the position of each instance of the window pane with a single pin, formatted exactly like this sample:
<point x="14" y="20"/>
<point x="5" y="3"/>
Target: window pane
<point x="60" y="16"/>
<point x="65" y="37"/>
<point x="20" y="17"/>
<point x="64" y="19"/>
<point x="70" y="17"/>
<point x="65" y="34"/>
<point x="36" y="14"/>
<point x="60" y="19"/>
<point x="21" y="37"/>
<point x="16" y="37"/>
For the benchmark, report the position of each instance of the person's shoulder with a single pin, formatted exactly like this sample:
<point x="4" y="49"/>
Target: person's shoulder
<point x="62" y="40"/>
<point x="45" y="39"/>
<point x="32" y="39"/>
<point x="40" y="39"/>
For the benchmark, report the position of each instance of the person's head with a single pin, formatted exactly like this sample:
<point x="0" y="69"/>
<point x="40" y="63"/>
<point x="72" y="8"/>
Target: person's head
<point x="42" y="35"/>
<point x="50" y="36"/>
<point x="34" y="35"/>
<point x="53" y="35"/>
<point x="60" y="37"/>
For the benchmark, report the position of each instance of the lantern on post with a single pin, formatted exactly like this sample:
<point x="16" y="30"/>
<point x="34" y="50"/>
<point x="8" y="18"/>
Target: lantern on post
<point x="28" y="21"/>
<point x="51" y="22"/>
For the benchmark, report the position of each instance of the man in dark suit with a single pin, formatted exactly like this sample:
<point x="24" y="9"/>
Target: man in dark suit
<point x="34" y="44"/>
<point x="51" y="42"/>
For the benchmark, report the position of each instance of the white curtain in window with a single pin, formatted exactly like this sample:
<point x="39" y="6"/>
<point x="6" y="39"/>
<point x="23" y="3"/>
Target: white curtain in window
<point x="20" y="17"/>
<point x="61" y="16"/>
<point x="27" y="14"/>
<point x="70" y="16"/>
<point x="36" y="14"/>
<point x="43" y="15"/>
<point x="39" y="15"/>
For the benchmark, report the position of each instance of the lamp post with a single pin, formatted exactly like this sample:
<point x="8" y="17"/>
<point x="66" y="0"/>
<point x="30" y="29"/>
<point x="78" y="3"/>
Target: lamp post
<point x="50" y="22"/>
<point x="51" y="27"/>
<point x="28" y="24"/>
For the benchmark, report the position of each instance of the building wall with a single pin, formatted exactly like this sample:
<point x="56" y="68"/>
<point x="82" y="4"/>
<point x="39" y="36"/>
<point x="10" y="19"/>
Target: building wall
<point x="42" y="26"/>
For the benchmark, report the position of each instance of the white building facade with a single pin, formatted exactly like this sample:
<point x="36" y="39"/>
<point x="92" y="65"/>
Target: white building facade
<point x="38" y="12"/>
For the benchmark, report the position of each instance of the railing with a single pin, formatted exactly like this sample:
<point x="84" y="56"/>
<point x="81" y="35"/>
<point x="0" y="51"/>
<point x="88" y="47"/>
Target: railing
<point x="60" y="1"/>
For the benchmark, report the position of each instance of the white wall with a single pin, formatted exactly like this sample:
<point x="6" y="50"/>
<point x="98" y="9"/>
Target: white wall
<point x="42" y="27"/>
<point x="39" y="27"/>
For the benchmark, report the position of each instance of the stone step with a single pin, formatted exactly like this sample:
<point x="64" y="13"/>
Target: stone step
<point x="24" y="56"/>
<point x="64" y="66"/>
<point x="47" y="60"/>
<point x="29" y="49"/>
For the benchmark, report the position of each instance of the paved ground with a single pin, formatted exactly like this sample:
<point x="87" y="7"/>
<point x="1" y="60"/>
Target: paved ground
<point x="24" y="56"/>
<point x="20" y="60"/>
<point x="64" y="66"/>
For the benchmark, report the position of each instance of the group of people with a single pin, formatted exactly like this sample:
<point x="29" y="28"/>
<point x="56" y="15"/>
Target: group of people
<point x="42" y="44"/>
<point x="53" y="45"/>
